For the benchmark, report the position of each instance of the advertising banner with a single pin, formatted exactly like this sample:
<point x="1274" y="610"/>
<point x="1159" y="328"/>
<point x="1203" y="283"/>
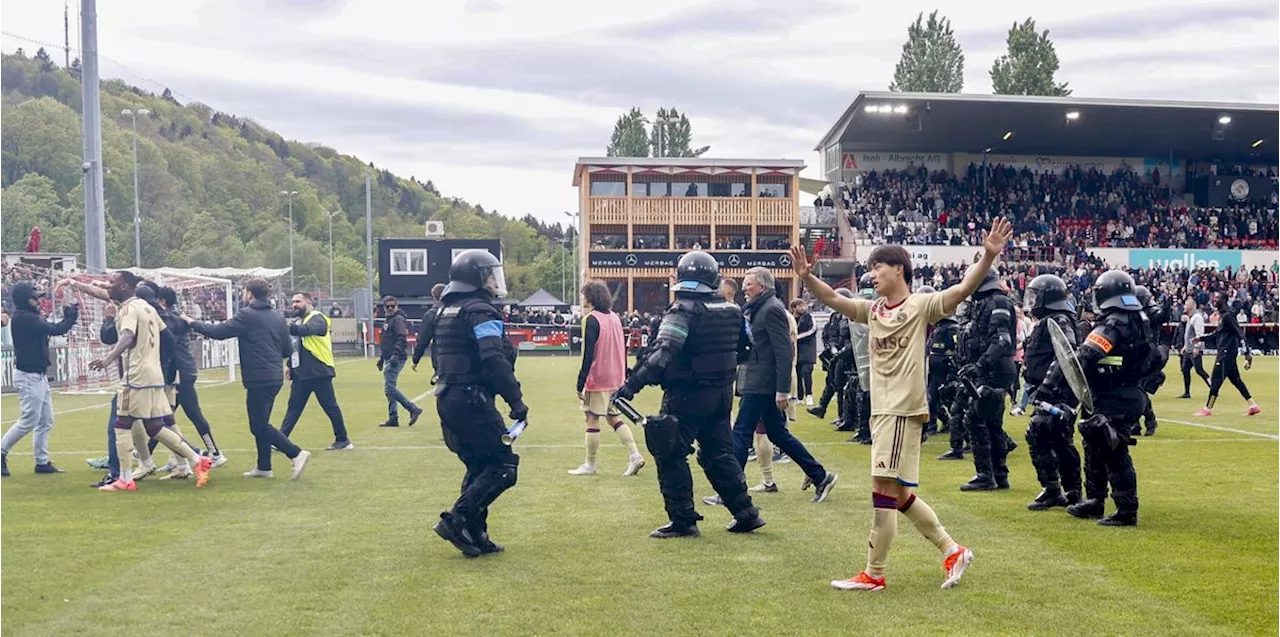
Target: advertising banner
<point x="539" y="338"/>
<point x="1185" y="259"/>
<point x="619" y="259"/>
<point x="866" y="161"/>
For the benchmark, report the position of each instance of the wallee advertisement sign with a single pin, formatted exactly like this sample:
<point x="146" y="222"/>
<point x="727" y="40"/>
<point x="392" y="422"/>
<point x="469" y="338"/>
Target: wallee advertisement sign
<point x="1185" y="259"/>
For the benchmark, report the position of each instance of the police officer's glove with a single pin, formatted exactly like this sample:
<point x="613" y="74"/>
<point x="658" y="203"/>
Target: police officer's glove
<point x="381" y="362"/>
<point x="519" y="411"/>
<point x="1248" y="362"/>
<point x="622" y="393"/>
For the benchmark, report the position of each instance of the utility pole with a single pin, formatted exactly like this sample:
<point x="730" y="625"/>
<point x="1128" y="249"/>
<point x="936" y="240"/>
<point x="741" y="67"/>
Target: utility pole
<point x="137" y="213"/>
<point x="95" y="236"/>
<point x="368" y="245"/>
<point x="331" y="215"/>
<point x="66" y="35"/>
<point x="290" y="194"/>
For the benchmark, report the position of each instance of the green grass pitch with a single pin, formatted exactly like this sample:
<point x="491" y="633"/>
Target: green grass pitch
<point x="348" y="550"/>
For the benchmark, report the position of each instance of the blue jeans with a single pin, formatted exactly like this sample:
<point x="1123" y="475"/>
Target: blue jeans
<point x="753" y="409"/>
<point x="1025" y="399"/>
<point x="391" y="369"/>
<point x="35" y="414"/>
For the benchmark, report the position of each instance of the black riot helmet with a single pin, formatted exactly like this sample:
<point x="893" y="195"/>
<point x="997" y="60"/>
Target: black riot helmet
<point x="476" y="270"/>
<point x="1144" y="296"/>
<point x="697" y="272"/>
<point x="1114" y="289"/>
<point x="1047" y="293"/>
<point x="845" y="292"/>
<point x="990" y="281"/>
<point x="867" y="286"/>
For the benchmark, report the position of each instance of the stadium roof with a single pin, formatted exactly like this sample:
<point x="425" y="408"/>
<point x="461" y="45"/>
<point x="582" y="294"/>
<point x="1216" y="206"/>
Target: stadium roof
<point x="693" y="163"/>
<point x="949" y="122"/>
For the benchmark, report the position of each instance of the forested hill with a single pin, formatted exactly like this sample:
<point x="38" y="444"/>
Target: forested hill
<point x="210" y="188"/>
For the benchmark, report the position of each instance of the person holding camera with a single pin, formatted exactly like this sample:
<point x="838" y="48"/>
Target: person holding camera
<point x="30" y="375"/>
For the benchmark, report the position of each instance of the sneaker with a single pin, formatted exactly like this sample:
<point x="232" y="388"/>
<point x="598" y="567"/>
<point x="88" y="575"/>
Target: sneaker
<point x="1204" y="411"/>
<point x="673" y="529"/>
<point x="259" y="473"/>
<point x="299" y="463"/>
<point x="780" y="458"/>
<point x="389" y="423"/>
<point x="168" y="466"/>
<point x="808" y="401"/>
<point x="765" y="487"/>
<point x="219" y="460"/>
<point x="142" y="472"/>
<point x="120" y="485"/>
<point x="747" y="523"/>
<point x="340" y="445"/>
<point x="1016" y="411"/>
<point x="859" y="582"/>
<point x="1254" y="410"/>
<point x="823" y="489"/>
<point x="107" y="479"/>
<point x="583" y="469"/>
<point x="634" y="466"/>
<point x="48" y="468"/>
<point x="201" y="470"/>
<point x="820" y="413"/>
<point x="952" y="454"/>
<point x="954" y="564"/>
<point x="1183" y="396"/>
<point x="751" y="454"/>
<point x="713" y="500"/>
<point x="101" y="464"/>
<point x="180" y="473"/>
<point x="413" y="415"/>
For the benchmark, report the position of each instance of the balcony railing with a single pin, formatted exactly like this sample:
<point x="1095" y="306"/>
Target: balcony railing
<point x="664" y="211"/>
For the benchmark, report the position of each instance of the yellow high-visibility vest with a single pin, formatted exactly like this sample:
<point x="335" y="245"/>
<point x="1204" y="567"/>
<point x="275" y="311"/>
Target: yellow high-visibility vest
<point x="320" y="347"/>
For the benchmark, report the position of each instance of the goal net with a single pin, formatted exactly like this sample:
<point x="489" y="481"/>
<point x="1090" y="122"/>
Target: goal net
<point x="204" y="298"/>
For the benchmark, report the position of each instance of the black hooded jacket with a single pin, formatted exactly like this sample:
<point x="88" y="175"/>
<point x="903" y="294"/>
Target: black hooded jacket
<point x="31" y="332"/>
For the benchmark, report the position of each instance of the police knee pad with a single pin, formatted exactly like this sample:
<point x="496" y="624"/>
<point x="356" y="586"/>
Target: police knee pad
<point x="508" y="474"/>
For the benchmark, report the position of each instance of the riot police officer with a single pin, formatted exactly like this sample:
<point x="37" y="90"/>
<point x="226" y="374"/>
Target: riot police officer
<point x="700" y="342"/>
<point x="857" y="390"/>
<point x="991" y="371"/>
<point x="959" y="406"/>
<point x="942" y="347"/>
<point x="1115" y="357"/>
<point x="475" y="365"/>
<point x="1049" y="435"/>
<point x="839" y="357"/>
<point x="1156" y="316"/>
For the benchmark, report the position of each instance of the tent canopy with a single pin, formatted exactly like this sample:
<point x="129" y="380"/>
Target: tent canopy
<point x="544" y="299"/>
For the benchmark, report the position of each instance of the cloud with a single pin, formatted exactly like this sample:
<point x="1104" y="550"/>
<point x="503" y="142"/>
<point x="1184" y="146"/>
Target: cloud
<point x="728" y="17"/>
<point x="482" y="6"/>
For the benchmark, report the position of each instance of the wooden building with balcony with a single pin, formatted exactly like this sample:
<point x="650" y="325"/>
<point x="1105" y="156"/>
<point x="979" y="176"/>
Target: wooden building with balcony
<point x="638" y="215"/>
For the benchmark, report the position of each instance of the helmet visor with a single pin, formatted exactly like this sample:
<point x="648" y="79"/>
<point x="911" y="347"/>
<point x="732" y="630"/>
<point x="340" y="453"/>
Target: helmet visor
<point x="1031" y="299"/>
<point x="496" y="282"/>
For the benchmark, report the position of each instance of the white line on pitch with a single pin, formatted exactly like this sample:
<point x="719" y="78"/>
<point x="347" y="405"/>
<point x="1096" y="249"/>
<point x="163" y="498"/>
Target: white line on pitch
<point x="1226" y="429"/>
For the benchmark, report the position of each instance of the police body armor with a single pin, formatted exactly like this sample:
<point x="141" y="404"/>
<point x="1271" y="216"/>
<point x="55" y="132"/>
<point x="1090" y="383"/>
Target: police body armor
<point x="1038" y="356"/>
<point x="942" y="346"/>
<point x="710" y="354"/>
<point x="1127" y="364"/>
<point x="859" y="334"/>
<point x="980" y="333"/>
<point x="455" y="343"/>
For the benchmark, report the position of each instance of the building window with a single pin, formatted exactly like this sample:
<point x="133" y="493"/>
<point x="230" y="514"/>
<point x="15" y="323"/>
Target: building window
<point x="650" y="189"/>
<point x="772" y="190"/>
<point x="650" y="238"/>
<point x="608" y="188"/>
<point x="409" y="261"/>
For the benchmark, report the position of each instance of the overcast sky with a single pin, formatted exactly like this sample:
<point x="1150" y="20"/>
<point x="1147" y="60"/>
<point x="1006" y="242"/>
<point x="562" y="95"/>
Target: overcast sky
<point x="494" y="100"/>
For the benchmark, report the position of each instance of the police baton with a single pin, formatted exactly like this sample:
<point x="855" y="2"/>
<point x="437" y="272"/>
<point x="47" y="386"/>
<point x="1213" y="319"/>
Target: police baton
<point x="514" y="432"/>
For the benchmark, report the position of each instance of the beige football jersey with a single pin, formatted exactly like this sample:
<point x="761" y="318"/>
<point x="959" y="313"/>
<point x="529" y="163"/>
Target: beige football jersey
<point x="898" y="342"/>
<point x="141" y="362"/>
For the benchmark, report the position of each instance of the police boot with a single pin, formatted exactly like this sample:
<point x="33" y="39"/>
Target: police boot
<point x="1151" y="427"/>
<point x="846" y="425"/>
<point x="820" y="412"/>
<point x="1091" y="508"/>
<point x="1135" y="430"/>
<point x="1120" y="518"/>
<point x="980" y="482"/>
<point x="487" y="545"/>
<point x="453" y="529"/>
<point x="1002" y="482"/>
<point x="746" y="521"/>
<point x="676" y="529"/>
<point x="1009" y="444"/>
<point x="1073" y="496"/>
<point x="1051" y="496"/>
<point x="952" y="454"/>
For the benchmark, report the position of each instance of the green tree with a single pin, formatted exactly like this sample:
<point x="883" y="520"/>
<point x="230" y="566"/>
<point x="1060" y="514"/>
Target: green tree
<point x="672" y="135"/>
<point x="31" y="201"/>
<point x="932" y="61"/>
<point x="1029" y="65"/>
<point x="630" y="136"/>
<point x="41" y="136"/>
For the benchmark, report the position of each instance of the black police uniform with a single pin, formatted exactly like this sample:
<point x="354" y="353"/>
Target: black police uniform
<point x="942" y="349"/>
<point x="1156" y="316"/>
<point x="699" y="344"/>
<point x="835" y="337"/>
<point x="991" y="351"/>
<point x="1115" y="357"/>
<point x="1050" y="437"/>
<point x="961" y="403"/>
<point x="475" y="365"/>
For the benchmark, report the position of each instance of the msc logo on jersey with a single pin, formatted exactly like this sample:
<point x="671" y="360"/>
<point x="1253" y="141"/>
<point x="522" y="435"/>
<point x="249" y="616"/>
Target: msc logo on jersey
<point x="890" y="342"/>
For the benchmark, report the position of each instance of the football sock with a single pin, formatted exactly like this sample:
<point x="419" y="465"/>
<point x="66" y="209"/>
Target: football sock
<point x="124" y="448"/>
<point x="764" y="455"/>
<point x="884" y="526"/>
<point x="926" y="521"/>
<point x="140" y="439"/>
<point x="176" y="444"/>
<point x="593" y="446"/>
<point x="627" y="438"/>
